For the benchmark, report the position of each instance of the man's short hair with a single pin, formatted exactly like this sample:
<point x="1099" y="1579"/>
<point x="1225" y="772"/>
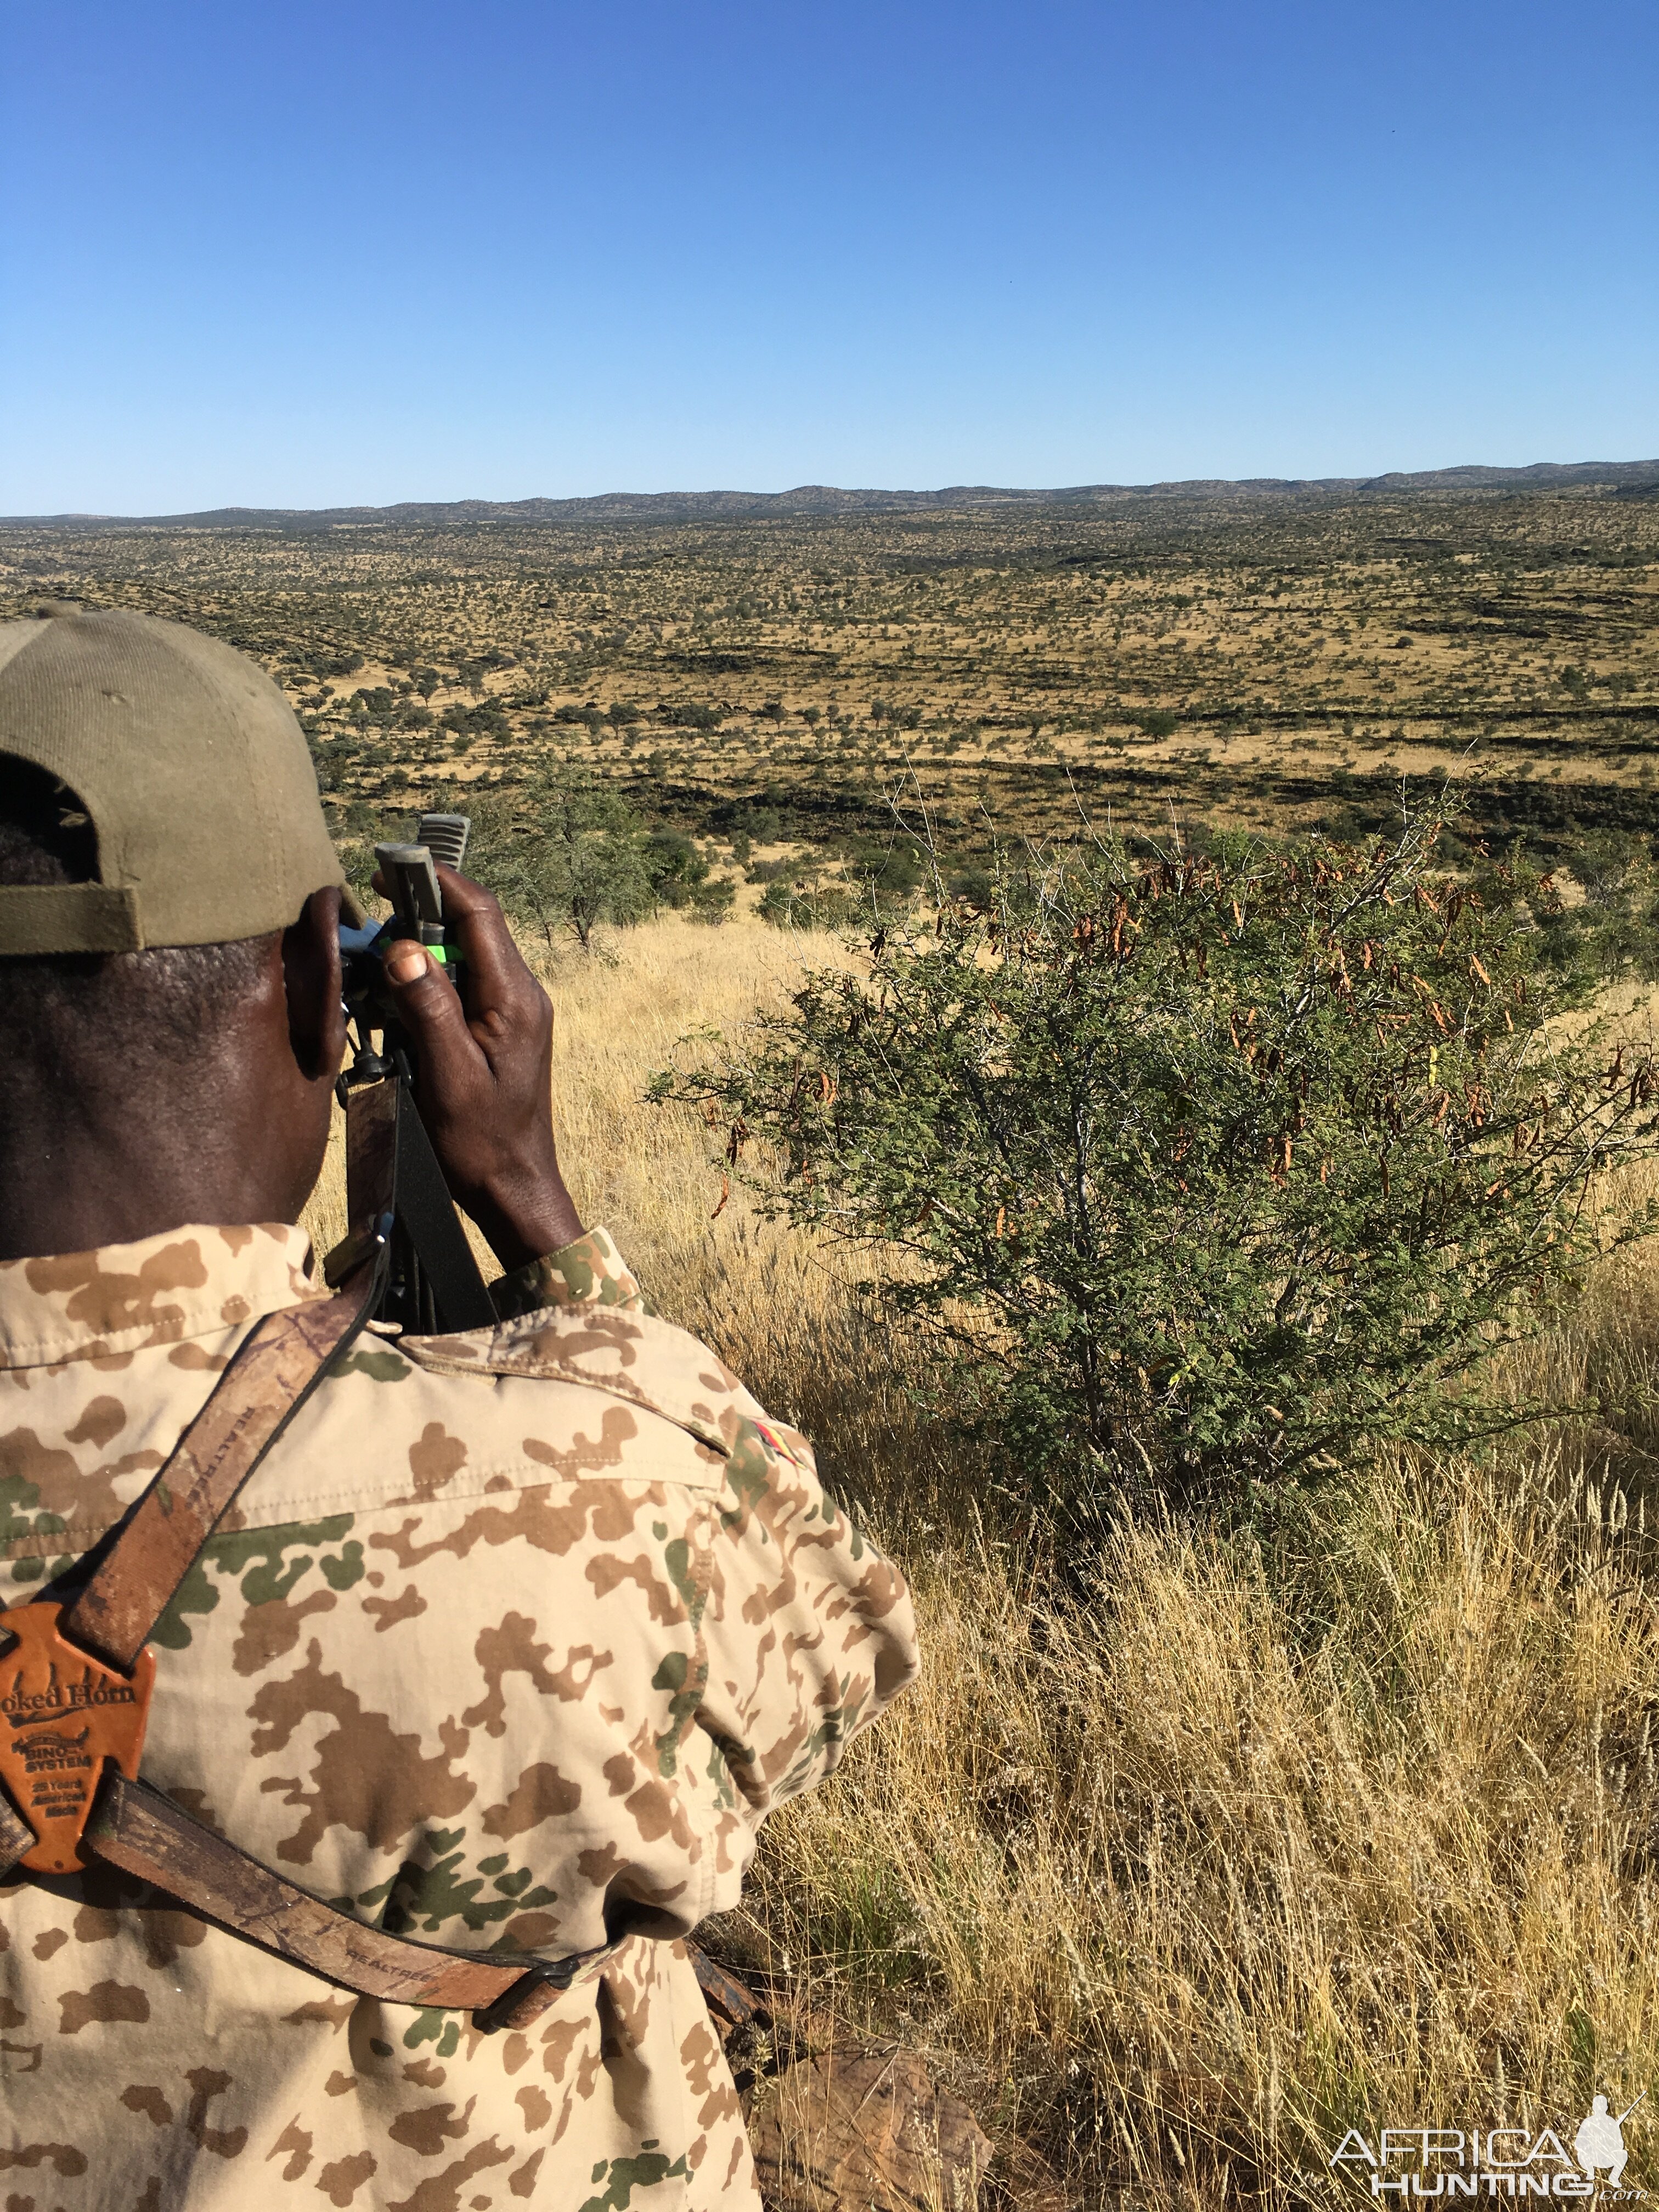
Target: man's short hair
<point x="137" y="1005"/>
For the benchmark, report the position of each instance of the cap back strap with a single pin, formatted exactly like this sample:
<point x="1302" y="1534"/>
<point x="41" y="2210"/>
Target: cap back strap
<point x="46" y="918"/>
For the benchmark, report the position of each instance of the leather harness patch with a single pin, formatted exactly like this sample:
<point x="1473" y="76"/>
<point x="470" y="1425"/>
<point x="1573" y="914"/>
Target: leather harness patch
<point x="65" y="1713"/>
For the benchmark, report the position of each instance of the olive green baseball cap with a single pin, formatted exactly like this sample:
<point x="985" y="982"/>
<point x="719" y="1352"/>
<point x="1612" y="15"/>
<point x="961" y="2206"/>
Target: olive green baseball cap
<point x="192" y="769"/>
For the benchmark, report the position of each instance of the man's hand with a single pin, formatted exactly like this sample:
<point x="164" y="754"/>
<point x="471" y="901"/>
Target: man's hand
<point x="483" y="1083"/>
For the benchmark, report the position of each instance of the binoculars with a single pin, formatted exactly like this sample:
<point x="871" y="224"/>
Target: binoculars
<point x="396" y="1197"/>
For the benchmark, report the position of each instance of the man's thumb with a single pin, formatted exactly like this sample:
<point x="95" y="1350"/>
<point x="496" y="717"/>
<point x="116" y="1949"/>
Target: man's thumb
<point x="406" y="963"/>
<point x="426" y="1001"/>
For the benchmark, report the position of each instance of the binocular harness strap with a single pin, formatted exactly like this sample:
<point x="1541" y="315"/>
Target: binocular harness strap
<point x="123" y="1822"/>
<point x="279" y="1364"/>
<point x="145" y="1834"/>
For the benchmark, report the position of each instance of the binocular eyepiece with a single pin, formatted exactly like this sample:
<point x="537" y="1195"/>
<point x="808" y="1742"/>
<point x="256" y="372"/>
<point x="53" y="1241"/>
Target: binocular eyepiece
<point x="412" y="877"/>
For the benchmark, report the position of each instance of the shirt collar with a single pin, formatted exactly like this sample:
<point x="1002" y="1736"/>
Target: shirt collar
<point x="188" y="1282"/>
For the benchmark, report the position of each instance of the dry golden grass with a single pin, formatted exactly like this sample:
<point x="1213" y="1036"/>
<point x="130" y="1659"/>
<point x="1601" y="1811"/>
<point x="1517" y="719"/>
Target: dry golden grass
<point x="1349" y="1821"/>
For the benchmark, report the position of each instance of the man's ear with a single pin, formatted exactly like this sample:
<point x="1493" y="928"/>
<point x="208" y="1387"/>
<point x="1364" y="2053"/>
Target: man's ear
<point x="310" y="975"/>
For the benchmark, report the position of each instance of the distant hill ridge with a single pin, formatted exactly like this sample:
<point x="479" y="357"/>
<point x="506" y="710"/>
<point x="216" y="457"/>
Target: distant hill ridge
<point x="828" y="499"/>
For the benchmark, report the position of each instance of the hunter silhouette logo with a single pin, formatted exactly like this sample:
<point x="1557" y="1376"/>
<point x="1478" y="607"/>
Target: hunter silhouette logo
<point x="1600" y="2139"/>
<point x="1412" y="2163"/>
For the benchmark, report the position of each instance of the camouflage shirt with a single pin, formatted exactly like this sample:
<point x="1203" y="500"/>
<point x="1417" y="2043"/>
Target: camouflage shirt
<point x="511" y="1642"/>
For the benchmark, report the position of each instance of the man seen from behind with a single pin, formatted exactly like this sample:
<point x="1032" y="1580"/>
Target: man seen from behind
<point x="510" y="1639"/>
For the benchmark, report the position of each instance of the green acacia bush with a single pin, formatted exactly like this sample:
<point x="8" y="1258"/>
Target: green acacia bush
<point x="1203" y="1167"/>
<point x="680" y="877"/>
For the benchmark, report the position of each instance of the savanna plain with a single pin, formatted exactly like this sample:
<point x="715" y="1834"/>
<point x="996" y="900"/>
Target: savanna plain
<point x="1204" y="1837"/>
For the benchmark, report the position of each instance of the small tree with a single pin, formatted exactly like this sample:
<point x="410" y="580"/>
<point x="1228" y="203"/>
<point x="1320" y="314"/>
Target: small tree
<point x="1202" y="1168"/>
<point x="566" y="853"/>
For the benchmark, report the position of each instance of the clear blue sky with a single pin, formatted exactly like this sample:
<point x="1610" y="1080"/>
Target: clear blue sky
<point x="323" y="250"/>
